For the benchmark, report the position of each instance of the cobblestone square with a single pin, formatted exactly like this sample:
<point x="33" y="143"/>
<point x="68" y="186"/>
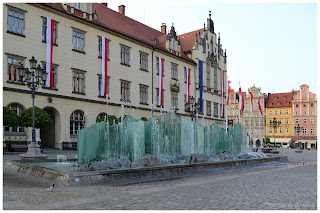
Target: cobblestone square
<point x="281" y="186"/>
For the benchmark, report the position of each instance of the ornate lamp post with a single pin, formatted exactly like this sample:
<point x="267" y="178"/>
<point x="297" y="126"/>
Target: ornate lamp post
<point x="274" y="124"/>
<point x="192" y="107"/>
<point x="298" y="129"/>
<point x="33" y="77"/>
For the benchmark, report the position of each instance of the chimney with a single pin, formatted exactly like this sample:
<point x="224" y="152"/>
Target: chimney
<point x="164" y="28"/>
<point x="105" y="4"/>
<point x="122" y="9"/>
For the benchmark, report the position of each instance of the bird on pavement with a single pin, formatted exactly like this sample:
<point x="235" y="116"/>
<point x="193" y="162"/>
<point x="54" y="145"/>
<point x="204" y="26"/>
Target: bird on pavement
<point x="50" y="189"/>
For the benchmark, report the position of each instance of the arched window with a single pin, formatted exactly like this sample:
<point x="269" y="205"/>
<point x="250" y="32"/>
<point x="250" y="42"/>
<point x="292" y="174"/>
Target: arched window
<point x="76" y="122"/>
<point x="17" y="108"/>
<point x="101" y="115"/>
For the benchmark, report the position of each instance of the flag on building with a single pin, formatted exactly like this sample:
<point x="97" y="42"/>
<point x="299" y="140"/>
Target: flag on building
<point x="222" y="93"/>
<point x="201" y="83"/>
<point x="160" y="98"/>
<point x="259" y="103"/>
<point x="229" y="92"/>
<point x="188" y="84"/>
<point x="241" y="104"/>
<point x="49" y="40"/>
<point x="251" y="99"/>
<point x="104" y="71"/>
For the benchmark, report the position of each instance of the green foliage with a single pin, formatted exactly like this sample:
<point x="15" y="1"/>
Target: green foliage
<point x="267" y="140"/>
<point x="42" y="118"/>
<point x="10" y="118"/>
<point x="144" y="119"/>
<point x="124" y="117"/>
<point x="110" y="118"/>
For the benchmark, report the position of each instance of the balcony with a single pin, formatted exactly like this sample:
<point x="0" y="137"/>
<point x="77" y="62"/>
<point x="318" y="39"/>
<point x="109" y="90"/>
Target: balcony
<point x="174" y="85"/>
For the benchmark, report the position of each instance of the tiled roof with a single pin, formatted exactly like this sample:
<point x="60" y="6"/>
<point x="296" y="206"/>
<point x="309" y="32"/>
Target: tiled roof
<point x="188" y="40"/>
<point x="277" y="100"/>
<point x="125" y="25"/>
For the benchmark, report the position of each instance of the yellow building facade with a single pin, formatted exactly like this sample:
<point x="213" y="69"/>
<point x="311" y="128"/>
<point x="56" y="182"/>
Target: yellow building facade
<point x="279" y="106"/>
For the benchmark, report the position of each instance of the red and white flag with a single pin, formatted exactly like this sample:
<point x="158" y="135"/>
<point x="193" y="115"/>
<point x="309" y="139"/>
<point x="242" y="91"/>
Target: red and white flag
<point x="49" y="38"/>
<point x="188" y="84"/>
<point x="104" y="71"/>
<point x="222" y="93"/>
<point x="160" y="98"/>
<point x="251" y="99"/>
<point x="240" y="99"/>
<point x="229" y="92"/>
<point x="259" y="103"/>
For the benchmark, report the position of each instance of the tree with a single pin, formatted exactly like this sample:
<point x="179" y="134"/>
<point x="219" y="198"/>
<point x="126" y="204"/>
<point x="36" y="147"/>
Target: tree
<point x="10" y="118"/>
<point x="42" y="118"/>
<point x="111" y="119"/>
<point x="267" y="140"/>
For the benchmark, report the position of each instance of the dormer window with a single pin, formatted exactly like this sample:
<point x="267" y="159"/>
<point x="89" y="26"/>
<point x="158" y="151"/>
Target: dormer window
<point x="77" y="6"/>
<point x="172" y="41"/>
<point x="276" y="97"/>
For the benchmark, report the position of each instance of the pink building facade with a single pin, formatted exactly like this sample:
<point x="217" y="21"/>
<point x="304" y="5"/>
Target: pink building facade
<point x="304" y="110"/>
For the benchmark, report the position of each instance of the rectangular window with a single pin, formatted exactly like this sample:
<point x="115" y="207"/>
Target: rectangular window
<point x="54" y="75"/>
<point x="208" y="75"/>
<point x="125" y="91"/>
<point x="174" y="100"/>
<point x="174" y="71"/>
<point x="16" y="20"/>
<point x="78" y="82"/>
<point x="312" y="112"/>
<point x="99" y="86"/>
<point x="215" y="78"/>
<point x="15" y="130"/>
<point x="311" y="131"/>
<point x="276" y="130"/>
<point x="100" y="47"/>
<point x="44" y="31"/>
<point x="209" y="108"/>
<point x="304" y="105"/>
<point x="77" y="6"/>
<point x="143" y="94"/>
<point x="276" y="112"/>
<point x="312" y="121"/>
<point x="125" y="55"/>
<point x="297" y="112"/>
<point x="270" y="112"/>
<point x="287" y="121"/>
<point x="296" y="131"/>
<point x="270" y="130"/>
<point x="297" y="121"/>
<point x="281" y="121"/>
<point x="280" y="130"/>
<point x="304" y="113"/>
<point x="13" y="63"/>
<point x="287" y="130"/>
<point x="311" y="104"/>
<point x="78" y="40"/>
<point x="158" y="103"/>
<point x="304" y="121"/>
<point x="281" y="112"/>
<point x="157" y="68"/>
<point x="287" y="112"/>
<point x="215" y="109"/>
<point x="304" y="95"/>
<point x="143" y="61"/>
<point x="304" y="131"/>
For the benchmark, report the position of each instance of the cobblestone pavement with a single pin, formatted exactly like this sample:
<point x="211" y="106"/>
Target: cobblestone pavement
<point x="281" y="186"/>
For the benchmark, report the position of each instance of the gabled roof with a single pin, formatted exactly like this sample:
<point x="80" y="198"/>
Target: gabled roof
<point x="125" y="25"/>
<point x="277" y="100"/>
<point x="188" y="40"/>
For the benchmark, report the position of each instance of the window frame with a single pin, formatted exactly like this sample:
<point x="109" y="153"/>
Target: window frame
<point x="19" y="29"/>
<point x="44" y="31"/>
<point x="174" y="71"/>
<point x="76" y="46"/>
<point x="143" y="94"/>
<point x="55" y="76"/>
<point x="76" y="122"/>
<point x="11" y="76"/>
<point x="125" y="90"/>
<point x="99" y="86"/>
<point x="143" y="61"/>
<point x="208" y="110"/>
<point x="124" y="55"/>
<point x="174" y="100"/>
<point x="100" y="47"/>
<point x="75" y="80"/>
<point x="19" y="130"/>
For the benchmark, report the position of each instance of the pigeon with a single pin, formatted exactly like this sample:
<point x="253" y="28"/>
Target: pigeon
<point x="50" y="189"/>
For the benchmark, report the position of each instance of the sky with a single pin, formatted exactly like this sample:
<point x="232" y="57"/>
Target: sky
<point x="270" y="45"/>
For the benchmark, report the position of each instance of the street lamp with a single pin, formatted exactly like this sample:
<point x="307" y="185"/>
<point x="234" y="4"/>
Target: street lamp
<point x="192" y="107"/>
<point x="274" y="123"/>
<point x="298" y="129"/>
<point x="33" y="77"/>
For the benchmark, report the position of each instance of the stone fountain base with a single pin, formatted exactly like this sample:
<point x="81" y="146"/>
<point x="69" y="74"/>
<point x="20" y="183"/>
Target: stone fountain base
<point x="132" y="175"/>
